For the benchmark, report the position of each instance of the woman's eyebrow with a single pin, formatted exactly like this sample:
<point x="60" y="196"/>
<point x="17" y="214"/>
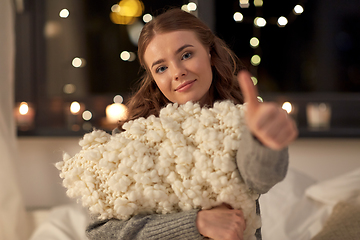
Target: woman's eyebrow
<point x="183" y="47"/>
<point x="176" y="52"/>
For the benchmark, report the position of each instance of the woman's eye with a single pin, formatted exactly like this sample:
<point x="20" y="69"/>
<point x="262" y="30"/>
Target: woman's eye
<point x="160" y="69"/>
<point x="186" y="55"/>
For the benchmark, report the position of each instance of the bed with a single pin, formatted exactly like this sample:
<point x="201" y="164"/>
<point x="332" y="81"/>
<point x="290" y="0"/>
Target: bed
<point x="298" y="208"/>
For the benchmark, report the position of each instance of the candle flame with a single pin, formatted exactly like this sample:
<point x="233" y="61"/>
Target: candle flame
<point x="74" y="107"/>
<point x="24" y="108"/>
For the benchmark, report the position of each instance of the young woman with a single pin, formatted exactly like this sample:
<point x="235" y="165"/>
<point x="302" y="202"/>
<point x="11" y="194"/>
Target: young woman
<point x="184" y="61"/>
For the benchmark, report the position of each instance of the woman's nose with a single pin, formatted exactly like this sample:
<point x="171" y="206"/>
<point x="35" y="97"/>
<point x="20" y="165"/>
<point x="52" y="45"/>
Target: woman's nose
<point x="179" y="71"/>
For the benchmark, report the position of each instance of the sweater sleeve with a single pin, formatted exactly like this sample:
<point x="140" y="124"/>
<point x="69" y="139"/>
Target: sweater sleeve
<point x="260" y="167"/>
<point x="174" y="226"/>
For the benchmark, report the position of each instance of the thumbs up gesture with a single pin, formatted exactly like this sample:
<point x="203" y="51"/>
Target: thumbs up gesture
<point x="268" y="122"/>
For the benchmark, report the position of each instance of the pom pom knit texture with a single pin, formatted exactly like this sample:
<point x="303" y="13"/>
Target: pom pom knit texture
<point x="181" y="160"/>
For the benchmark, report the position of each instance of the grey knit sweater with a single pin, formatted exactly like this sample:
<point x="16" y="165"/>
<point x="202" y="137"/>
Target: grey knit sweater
<point x="260" y="167"/>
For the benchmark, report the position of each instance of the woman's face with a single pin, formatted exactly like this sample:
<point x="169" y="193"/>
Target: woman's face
<point x="180" y="66"/>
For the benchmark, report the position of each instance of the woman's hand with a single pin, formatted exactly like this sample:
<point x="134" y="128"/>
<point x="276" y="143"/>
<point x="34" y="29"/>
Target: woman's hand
<point x="221" y="222"/>
<point x="268" y="122"/>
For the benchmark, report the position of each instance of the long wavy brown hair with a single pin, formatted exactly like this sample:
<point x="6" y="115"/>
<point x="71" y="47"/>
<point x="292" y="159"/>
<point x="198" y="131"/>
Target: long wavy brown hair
<point x="148" y="99"/>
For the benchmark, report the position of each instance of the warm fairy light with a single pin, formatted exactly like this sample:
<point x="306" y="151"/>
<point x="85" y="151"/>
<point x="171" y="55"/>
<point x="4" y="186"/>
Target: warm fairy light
<point x="259" y="22"/>
<point x="69" y="88"/>
<point x="258" y="3"/>
<point x="116" y="112"/>
<point x="115" y="8"/>
<point x="255" y="60"/>
<point x="298" y="9"/>
<point x="287" y="107"/>
<point x="125" y="55"/>
<point x="244" y="3"/>
<point x="238" y="17"/>
<point x="185" y="8"/>
<point x="78" y="62"/>
<point x="147" y="18"/>
<point x="255" y="81"/>
<point x="282" y="21"/>
<point x="64" y="13"/>
<point x="86" y="115"/>
<point x="260" y="99"/>
<point x="118" y="99"/>
<point x="75" y="107"/>
<point x="192" y="6"/>
<point x="24" y="108"/>
<point x="254" y="42"/>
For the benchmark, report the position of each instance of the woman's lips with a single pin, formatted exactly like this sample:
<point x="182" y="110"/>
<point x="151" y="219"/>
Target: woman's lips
<point x="185" y="86"/>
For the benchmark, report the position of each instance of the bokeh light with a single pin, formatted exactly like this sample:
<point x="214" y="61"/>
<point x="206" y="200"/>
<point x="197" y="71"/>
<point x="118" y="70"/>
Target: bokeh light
<point x="192" y="6"/>
<point x="282" y="21"/>
<point x="125" y="55"/>
<point x="298" y="9"/>
<point x="255" y="60"/>
<point x="254" y="80"/>
<point x="287" y="107"/>
<point x="24" y="108"/>
<point x="116" y="112"/>
<point x="147" y="18"/>
<point x="78" y="62"/>
<point x="64" y="13"/>
<point x="244" y="3"/>
<point x="87" y="115"/>
<point x="75" y="107"/>
<point x="238" y="17"/>
<point x="126" y="11"/>
<point x="118" y="99"/>
<point x="69" y="88"/>
<point x="258" y="3"/>
<point x="254" y="42"/>
<point x="259" y="22"/>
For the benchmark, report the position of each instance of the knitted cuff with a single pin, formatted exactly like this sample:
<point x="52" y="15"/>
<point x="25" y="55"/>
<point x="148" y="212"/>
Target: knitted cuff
<point x="182" y="227"/>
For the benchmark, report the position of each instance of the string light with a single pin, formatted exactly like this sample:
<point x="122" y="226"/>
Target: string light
<point x="254" y="42"/>
<point x="244" y="3"/>
<point x="287" y="107"/>
<point x="238" y="17"/>
<point x="282" y="21"/>
<point x="118" y="99"/>
<point x="260" y="22"/>
<point x="255" y="60"/>
<point x="86" y="115"/>
<point x="147" y="18"/>
<point x="78" y="62"/>
<point x="258" y="3"/>
<point x="69" y="88"/>
<point x="64" y="13"/>
<point x="255" y="81"/>
<point x="192" y="6"/>
<point x="298" y="9"/>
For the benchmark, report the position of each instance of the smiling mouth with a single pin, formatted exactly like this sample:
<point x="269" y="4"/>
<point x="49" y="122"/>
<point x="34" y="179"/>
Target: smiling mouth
<point x="184" y="85"/>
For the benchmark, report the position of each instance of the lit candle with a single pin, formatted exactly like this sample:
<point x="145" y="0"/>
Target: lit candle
<point x="116" y="112"/>
<point x="74" y="118"/>
<point x="318" y="116"/>
<point x="24" y="116"/>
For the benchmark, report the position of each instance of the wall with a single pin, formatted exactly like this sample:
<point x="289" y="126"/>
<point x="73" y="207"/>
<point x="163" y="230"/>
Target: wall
<point x="41" y="185"/>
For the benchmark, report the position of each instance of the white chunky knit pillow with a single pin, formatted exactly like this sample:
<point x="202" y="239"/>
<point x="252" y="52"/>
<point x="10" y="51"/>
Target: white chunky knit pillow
<point x="181" y="160"/>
